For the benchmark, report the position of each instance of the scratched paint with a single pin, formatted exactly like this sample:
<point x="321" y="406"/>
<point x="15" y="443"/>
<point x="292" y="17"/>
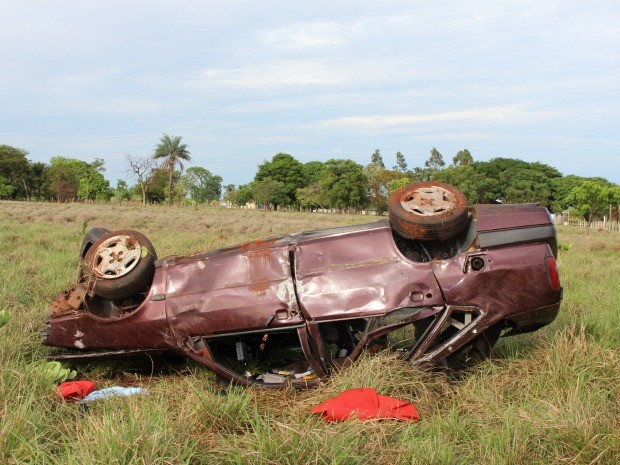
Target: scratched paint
<point x="259" y="255"/>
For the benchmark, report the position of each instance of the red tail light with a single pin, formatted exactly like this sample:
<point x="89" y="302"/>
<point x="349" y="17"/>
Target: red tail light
<point x="552" y="270"/>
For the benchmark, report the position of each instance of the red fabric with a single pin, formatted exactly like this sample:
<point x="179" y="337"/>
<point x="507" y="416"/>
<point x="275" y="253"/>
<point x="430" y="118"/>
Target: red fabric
<point x="75" y="390"/>
<point x="365" y="404"/>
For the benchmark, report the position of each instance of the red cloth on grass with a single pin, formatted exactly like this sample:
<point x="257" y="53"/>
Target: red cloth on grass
<point x="365" y="404"/>
<point x="75" y="390"/>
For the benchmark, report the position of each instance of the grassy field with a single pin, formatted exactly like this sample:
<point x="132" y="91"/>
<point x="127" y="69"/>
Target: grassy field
<point x="549" y="397"/>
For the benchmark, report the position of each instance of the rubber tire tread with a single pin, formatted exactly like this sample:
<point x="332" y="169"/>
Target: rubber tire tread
<point x="133" y="282"/>
<point x="93" y="235"/>
<point x="428" y="228"/>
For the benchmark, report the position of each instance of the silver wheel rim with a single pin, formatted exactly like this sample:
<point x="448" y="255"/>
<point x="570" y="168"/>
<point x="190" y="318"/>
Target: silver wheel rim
<point x="428" y="201"/>
<point x="115" y="257"/>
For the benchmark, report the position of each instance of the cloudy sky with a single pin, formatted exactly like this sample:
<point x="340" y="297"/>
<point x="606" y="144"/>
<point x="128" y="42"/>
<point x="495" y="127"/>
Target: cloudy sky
<point x="244" y="80"/>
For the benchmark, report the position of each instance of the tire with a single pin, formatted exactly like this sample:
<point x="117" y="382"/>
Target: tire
<point x="478" y="350"/>
<point x="90" y="238"/>
<point x="428" y="211"/>
<point x="121" y="264"/>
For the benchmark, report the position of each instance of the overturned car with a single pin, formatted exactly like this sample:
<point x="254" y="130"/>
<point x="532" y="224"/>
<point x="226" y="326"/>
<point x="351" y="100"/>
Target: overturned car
<point x="439" y="282"/>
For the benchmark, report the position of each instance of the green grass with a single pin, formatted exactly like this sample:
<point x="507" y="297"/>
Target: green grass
<point x="550" y="397"/>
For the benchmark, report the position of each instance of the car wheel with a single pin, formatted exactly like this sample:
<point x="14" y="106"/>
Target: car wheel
<point x="121" y="264"/>
<point x="478" y="350"/>
<point x="428" y="211"/>
<point x="90" y="238"/>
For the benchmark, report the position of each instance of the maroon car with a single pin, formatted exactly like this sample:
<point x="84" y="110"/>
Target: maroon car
<point x="439" y="282"/>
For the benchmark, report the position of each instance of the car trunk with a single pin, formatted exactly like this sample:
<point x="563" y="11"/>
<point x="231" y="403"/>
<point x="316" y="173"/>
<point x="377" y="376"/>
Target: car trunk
<point x="502" y="225"/>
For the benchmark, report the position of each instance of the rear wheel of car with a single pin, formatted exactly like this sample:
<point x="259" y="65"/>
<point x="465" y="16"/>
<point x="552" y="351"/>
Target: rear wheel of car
<point x="121" y="264"/>
<point x="478" y="350"/>
<point x="428" y="211"/>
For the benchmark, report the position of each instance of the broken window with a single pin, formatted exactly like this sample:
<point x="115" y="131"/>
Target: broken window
<point x="275" y="357"/>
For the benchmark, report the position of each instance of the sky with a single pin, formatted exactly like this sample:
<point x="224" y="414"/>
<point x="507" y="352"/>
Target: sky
<point x="243" y="80"/>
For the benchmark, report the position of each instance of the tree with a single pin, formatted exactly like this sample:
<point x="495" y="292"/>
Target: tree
<point x="141" y="169"/>
<point x="182" y="186"/>
<point x="242" y="195"/>
<point x="6" y="189"/>
<point x="477" y="187"/>
<point x="159" y="186"/>
<point x="313" y="171"/>
<point x="397" y="183"/>
<point x="14" y="167"/>
<point x="561" y="189"/>
<point x="379" y="180"/>
<point x="526" y="185"/>
<point x="269" y="192"/>
<point x="288" y="171"/>
<point x="401" y="164"/>
<point x="520" y="181"/>
<point x="203" y="186"/>
<point x="228" y="188"/>
<point x="431" y="166"/>
<point x="92" y="184"/>
<point x="310" y="196"/>
<point x="462" y="158"/>
<point x="37" y="179"/>
<point x="344" y="184"/>
<point x="173" y="152"/>
<point x="64" y="176"/>
<point x="435" y="161"/>
<point x="590" y="199"/>
<point x="229" y="192"/>
<point x="122" y="191"/>
<point x="377" y="159"/>
<point x="613" y="198"/>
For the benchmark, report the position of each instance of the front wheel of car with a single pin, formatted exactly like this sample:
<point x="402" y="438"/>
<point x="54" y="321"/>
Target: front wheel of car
<point x="120" y="264"/>
<point x="428" y="211"/>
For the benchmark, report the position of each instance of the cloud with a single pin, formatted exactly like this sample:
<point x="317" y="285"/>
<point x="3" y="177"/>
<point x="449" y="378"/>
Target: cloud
<point x="319" y="34"/>
<point x="301" y="73"/>
<point x="506" y="113"/>
<point x="292" y="73"/>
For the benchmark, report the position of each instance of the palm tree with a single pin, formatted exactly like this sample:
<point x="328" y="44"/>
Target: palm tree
<point x="173" y="151"/>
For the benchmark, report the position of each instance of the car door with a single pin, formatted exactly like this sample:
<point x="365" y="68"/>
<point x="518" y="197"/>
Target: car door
<point x="248" y="288"/>
<point x="359" y="273"/>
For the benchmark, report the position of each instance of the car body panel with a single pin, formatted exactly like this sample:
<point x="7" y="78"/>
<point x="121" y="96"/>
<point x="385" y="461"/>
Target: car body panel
<point x="146" y="327"/>
<point x="360" y="274"/>
<point x="512" y="278"/>
<point x="249" y="287"/>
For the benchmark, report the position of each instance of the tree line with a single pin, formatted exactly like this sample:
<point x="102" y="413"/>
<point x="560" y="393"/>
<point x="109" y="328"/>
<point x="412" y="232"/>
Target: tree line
<point x="285" y="182"/>
<point x="159" y="177"/>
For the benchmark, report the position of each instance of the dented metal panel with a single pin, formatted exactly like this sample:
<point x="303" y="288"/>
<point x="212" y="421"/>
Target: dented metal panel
<point x="250" y="287"/>
<point x="145" y="327"/>
<point x="360" y="275"/>
<point x="512" y="278"/>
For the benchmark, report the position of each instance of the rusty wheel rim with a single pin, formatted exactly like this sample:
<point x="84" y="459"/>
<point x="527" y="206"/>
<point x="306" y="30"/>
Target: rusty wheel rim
<point x="115" y="257"/>
<point x="428" y="201"/>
